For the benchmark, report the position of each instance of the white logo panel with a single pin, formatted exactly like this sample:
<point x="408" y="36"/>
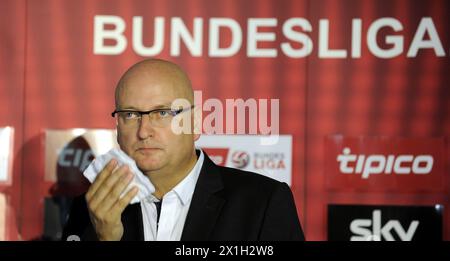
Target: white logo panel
<point x="246" y="152"/>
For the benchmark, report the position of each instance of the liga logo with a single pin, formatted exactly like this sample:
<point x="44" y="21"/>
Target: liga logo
<point x="245" y="152"/>
<point x="240" y="159"/>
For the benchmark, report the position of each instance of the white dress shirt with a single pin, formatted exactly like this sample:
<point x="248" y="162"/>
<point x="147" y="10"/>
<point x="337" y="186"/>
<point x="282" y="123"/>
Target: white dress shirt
<point x="174" y="209"/>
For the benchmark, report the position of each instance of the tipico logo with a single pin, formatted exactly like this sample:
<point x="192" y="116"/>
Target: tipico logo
<point x="378" y="163"/>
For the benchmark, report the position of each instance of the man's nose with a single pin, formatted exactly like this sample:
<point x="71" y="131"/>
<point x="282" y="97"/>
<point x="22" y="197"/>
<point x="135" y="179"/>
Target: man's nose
<point x="146" y="129"/>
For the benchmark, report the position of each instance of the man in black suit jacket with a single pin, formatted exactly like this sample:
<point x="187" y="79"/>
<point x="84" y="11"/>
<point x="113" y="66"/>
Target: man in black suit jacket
<point x="226" y="204"/>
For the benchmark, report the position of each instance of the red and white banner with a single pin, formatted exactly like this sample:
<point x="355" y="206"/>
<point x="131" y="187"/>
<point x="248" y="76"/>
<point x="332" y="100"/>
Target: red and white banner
<point x="395" y="165"/>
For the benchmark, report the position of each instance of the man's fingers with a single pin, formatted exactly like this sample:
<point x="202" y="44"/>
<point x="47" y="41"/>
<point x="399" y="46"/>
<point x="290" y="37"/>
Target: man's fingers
<point x="115" y="192"/>
<point x="106" y="187"/>
<point x="123" y="202"/>
<point x="104" y="174"/>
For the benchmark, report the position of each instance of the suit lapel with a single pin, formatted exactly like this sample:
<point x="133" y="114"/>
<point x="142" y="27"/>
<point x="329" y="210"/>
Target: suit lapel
<point x="132" y="223"/>
<point x="205" y="207"/>
<point x="206" y="203"/>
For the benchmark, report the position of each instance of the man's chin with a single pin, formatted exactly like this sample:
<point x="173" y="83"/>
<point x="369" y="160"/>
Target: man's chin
<point x="148" y="160"/>
<point x="147" y="165"/>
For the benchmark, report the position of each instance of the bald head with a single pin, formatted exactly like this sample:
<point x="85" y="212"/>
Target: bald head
<point x="156" y="73"/>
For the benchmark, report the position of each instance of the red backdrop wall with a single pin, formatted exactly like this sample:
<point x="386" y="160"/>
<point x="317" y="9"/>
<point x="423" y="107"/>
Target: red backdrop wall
<point x="51" y="78"/>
